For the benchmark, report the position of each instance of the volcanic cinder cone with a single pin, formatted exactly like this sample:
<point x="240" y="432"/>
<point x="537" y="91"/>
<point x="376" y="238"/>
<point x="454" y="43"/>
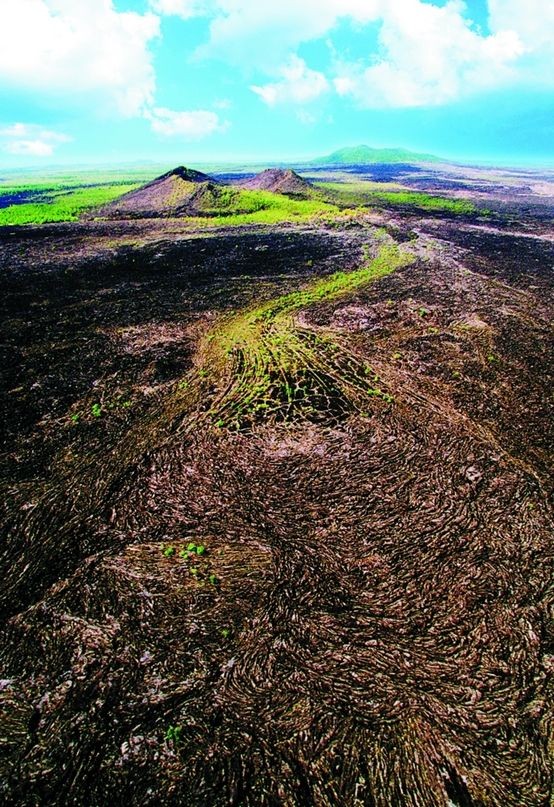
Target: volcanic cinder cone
<point x="176" y="193"/>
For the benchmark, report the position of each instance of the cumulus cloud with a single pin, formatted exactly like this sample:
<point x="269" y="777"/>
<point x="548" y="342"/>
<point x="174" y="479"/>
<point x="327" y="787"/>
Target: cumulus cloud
<point x="533" y="21"/>
<point x="190" y="125"/>
<point x="429" y="55"/>
<point x="299" y="84"/>
<point x="86" y="51"/>
<point x="78" y="48"/>
<point x="30" y="140"/>
<point x="263" y="34"/>
<point x="89" y="52"/>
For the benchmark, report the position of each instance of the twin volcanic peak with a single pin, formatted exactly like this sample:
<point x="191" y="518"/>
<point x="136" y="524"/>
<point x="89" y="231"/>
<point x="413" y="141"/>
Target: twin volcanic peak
<point x="185" y="192"/>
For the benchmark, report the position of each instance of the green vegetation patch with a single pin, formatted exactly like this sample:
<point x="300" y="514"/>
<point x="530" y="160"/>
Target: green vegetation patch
<point x="263" y="365"/>
<point x="358" y="193"/>
<point x="62" y="204"/>
<point x="424" y="201"/>
<point x="217" y="205"/>
<point x="233" y="206"/>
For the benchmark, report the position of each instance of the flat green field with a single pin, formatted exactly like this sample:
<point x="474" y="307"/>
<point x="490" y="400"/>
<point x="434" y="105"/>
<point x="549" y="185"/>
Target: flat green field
<point x="55" y="203"/>
<point x="365" y="193"/>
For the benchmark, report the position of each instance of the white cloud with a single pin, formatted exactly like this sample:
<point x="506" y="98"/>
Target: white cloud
<point x="30" y="140"/>
<point x="33" y="148"/>
<point x="78" y="48"/>
<point x="533" y="20"/>
<point x="263" y="34"/>
<point x="223" y="103"/>
<point x="85" y="51"/>
<point x="32" y="130"/>
<point x="429" y="55"/>
<point x="90" y="53"/>
<point x="299" y="84"/>
<point x="190" y="125"/>
<point x="179" y="8"/>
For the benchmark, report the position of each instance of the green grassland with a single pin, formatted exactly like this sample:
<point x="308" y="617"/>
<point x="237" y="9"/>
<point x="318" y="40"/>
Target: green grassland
<point x="364" y="193"/>
<point x="67" y="199"/>
<point x="79" y="177"/>
<point x="234" y="207"/>
<point x="58" y="204"/>
<point x="221" y="206"/>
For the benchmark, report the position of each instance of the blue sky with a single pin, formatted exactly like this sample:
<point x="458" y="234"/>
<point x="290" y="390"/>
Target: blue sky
<point x="194" y="81"/>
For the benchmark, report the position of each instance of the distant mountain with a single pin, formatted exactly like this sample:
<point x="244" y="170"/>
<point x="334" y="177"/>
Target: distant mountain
<point x="365" y="155"/>
<point x="181" y="191"/>
<point x="279" y="180"/>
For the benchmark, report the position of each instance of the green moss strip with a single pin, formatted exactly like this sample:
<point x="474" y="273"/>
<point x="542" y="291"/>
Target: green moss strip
<point x="262" y="365"/>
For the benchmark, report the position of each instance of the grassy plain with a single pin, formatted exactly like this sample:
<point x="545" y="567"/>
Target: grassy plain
<point x="57" y="203"/>
<point x="70" y="197"/>
<point x="365" y="193"/>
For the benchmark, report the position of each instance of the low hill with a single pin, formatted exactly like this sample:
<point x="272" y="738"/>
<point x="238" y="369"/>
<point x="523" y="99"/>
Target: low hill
<point x="181" y="191"/>
<point x="279" y="180"/>
<point x="365" y="155"/>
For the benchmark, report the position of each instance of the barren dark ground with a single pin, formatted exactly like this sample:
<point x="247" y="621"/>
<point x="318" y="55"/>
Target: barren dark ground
<point x="371" y="622"/>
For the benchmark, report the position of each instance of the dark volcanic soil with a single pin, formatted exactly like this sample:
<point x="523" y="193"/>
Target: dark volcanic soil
<point x="371" y="620"/>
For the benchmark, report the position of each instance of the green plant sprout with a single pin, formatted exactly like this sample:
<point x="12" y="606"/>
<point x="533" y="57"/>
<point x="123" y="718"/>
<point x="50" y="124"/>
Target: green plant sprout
<point x="173" y="735"/>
